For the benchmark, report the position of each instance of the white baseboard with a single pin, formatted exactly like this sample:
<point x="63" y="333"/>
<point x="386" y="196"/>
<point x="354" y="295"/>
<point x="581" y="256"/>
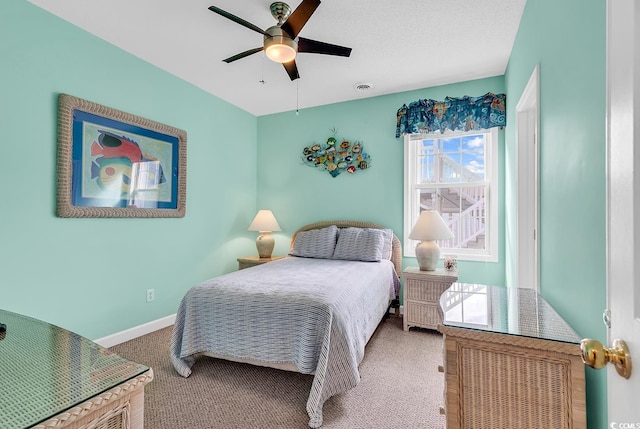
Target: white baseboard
<point x="136" y="331"/>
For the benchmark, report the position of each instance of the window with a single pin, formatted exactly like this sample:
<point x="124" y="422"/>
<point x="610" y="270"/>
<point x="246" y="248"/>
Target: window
<point x="457" y="175"/>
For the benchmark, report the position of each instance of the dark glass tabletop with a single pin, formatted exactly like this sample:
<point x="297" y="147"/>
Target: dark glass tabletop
<point x="45" y="370"/>
<point x="504" y="310"/>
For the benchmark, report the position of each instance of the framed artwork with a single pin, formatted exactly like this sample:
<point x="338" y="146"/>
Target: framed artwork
<point x="114" y="164"/>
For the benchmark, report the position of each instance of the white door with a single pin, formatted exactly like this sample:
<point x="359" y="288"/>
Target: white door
<point x="527" y="248"/>
<point x="623" y="207"/>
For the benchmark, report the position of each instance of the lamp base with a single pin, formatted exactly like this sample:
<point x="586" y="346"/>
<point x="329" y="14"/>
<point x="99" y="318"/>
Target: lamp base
<point x="427" y="254"/>
<point x="264" y="244"/>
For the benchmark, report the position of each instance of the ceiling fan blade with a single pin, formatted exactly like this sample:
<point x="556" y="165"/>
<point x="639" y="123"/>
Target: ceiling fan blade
<point x="315" y="47"/>
<point x="299" y="17"/>
<point x="242" y="55"/>
<point x="237" y="20"/>
<point x="291" y="69"/>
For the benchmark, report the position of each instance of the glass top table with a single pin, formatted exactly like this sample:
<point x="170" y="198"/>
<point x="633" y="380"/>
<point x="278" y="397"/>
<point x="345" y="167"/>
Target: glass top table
<point x="45" y="370"/>
<point x="504" y="310"/>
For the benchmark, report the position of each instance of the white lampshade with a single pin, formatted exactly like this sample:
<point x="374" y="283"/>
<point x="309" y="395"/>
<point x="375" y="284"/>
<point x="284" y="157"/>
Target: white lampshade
<point x="265" y="222"/>
<point x="428" y="228"/>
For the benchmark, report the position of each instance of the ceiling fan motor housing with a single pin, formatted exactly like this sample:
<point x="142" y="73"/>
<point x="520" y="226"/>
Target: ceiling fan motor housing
<point x="280" y="11"/>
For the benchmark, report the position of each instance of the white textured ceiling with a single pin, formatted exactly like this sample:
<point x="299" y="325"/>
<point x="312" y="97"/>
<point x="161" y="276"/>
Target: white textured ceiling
<point x="397" y="45"/>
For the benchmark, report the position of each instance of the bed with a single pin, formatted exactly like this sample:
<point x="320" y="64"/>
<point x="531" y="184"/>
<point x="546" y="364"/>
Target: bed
<point x="312" y="312"/>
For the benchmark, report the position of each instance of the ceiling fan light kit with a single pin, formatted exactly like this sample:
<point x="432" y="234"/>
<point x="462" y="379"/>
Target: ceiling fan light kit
<point x="279" y="47"/>
<point x="280" y="43"/>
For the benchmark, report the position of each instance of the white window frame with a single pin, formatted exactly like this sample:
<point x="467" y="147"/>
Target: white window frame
<point x="412" y="144"/>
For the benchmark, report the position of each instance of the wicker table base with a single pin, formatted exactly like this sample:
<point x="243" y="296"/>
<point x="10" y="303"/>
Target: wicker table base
<point x="121" y="407"/>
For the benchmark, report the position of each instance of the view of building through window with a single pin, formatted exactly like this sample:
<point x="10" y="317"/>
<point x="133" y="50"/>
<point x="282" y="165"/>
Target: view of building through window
<point x="455" y="167"/>
<point x="452" y="174"/>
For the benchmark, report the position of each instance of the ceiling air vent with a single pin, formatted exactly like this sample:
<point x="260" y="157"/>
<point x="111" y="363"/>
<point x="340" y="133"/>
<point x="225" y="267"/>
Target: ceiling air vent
<point x="362" y="87"/>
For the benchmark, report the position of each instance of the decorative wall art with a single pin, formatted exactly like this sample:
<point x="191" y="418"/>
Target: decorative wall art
<point x="336" y="156"/>
<point x="114" y="164"/>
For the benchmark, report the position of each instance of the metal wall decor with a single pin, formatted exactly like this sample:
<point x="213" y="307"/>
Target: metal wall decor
<point x="336" y="156"/>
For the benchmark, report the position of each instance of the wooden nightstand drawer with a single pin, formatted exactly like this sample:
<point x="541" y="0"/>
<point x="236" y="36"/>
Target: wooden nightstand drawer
<point x="252" y="261"/>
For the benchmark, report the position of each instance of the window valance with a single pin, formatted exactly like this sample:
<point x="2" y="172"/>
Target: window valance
<point x="464" y="113"/>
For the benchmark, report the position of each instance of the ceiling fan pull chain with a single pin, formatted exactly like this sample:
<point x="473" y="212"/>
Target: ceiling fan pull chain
<point x="297" y="97"/>
<point x="262" y="81"/>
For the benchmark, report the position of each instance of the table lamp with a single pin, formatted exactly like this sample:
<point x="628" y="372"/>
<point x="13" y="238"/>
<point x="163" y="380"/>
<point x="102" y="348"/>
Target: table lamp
<point x="264" y="222"/>
<point x="428" y="228"/>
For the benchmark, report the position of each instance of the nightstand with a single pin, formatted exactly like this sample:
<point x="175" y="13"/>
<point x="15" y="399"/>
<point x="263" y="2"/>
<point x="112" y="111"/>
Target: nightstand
<point x="422" y="290"/>
<point x="252" y="261"/>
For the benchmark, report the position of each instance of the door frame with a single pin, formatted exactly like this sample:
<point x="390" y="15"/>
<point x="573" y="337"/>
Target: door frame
<point x="528" y="184"/>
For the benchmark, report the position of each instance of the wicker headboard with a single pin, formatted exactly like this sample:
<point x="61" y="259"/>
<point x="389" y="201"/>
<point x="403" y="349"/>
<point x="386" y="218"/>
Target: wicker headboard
<point x="396" y="249"/>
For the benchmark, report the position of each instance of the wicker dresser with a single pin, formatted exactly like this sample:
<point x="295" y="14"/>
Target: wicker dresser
<point x="52" y="378"/>
<point x="422" y="290"/>
<point x="510" y="361"/>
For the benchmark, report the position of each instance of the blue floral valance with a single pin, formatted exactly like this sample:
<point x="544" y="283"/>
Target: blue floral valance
<point x="464" y="113"/>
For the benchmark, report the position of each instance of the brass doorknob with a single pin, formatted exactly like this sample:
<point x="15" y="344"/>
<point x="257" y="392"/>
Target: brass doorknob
<point x="597" y="356"/>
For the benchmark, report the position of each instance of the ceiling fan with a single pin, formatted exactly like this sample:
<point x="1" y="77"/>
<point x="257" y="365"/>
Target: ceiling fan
<point x="280" y="43"/>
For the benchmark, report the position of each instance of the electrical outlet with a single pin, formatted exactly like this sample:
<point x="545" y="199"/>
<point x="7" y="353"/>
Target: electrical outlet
<point x="151" y="295"/>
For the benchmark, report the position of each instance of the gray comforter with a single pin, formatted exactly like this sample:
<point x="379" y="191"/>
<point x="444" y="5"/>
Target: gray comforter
<point x="316" y="314"/>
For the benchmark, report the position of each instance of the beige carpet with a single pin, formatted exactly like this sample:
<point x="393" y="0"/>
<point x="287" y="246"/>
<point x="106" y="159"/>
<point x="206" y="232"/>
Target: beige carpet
<point x="400" y="387"/>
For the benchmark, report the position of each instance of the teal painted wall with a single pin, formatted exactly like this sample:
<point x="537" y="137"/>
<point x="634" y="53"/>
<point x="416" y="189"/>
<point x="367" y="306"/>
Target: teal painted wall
<point x="299" y="194"/>
<point x="571" y="55"/>
<point x="90" y="275"/>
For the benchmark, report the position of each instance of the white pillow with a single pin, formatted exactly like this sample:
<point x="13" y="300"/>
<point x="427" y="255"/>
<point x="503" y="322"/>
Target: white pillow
<point x="387" y="249"/>
<point x="360" y="244"/>
<point x="315" y="243"/>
